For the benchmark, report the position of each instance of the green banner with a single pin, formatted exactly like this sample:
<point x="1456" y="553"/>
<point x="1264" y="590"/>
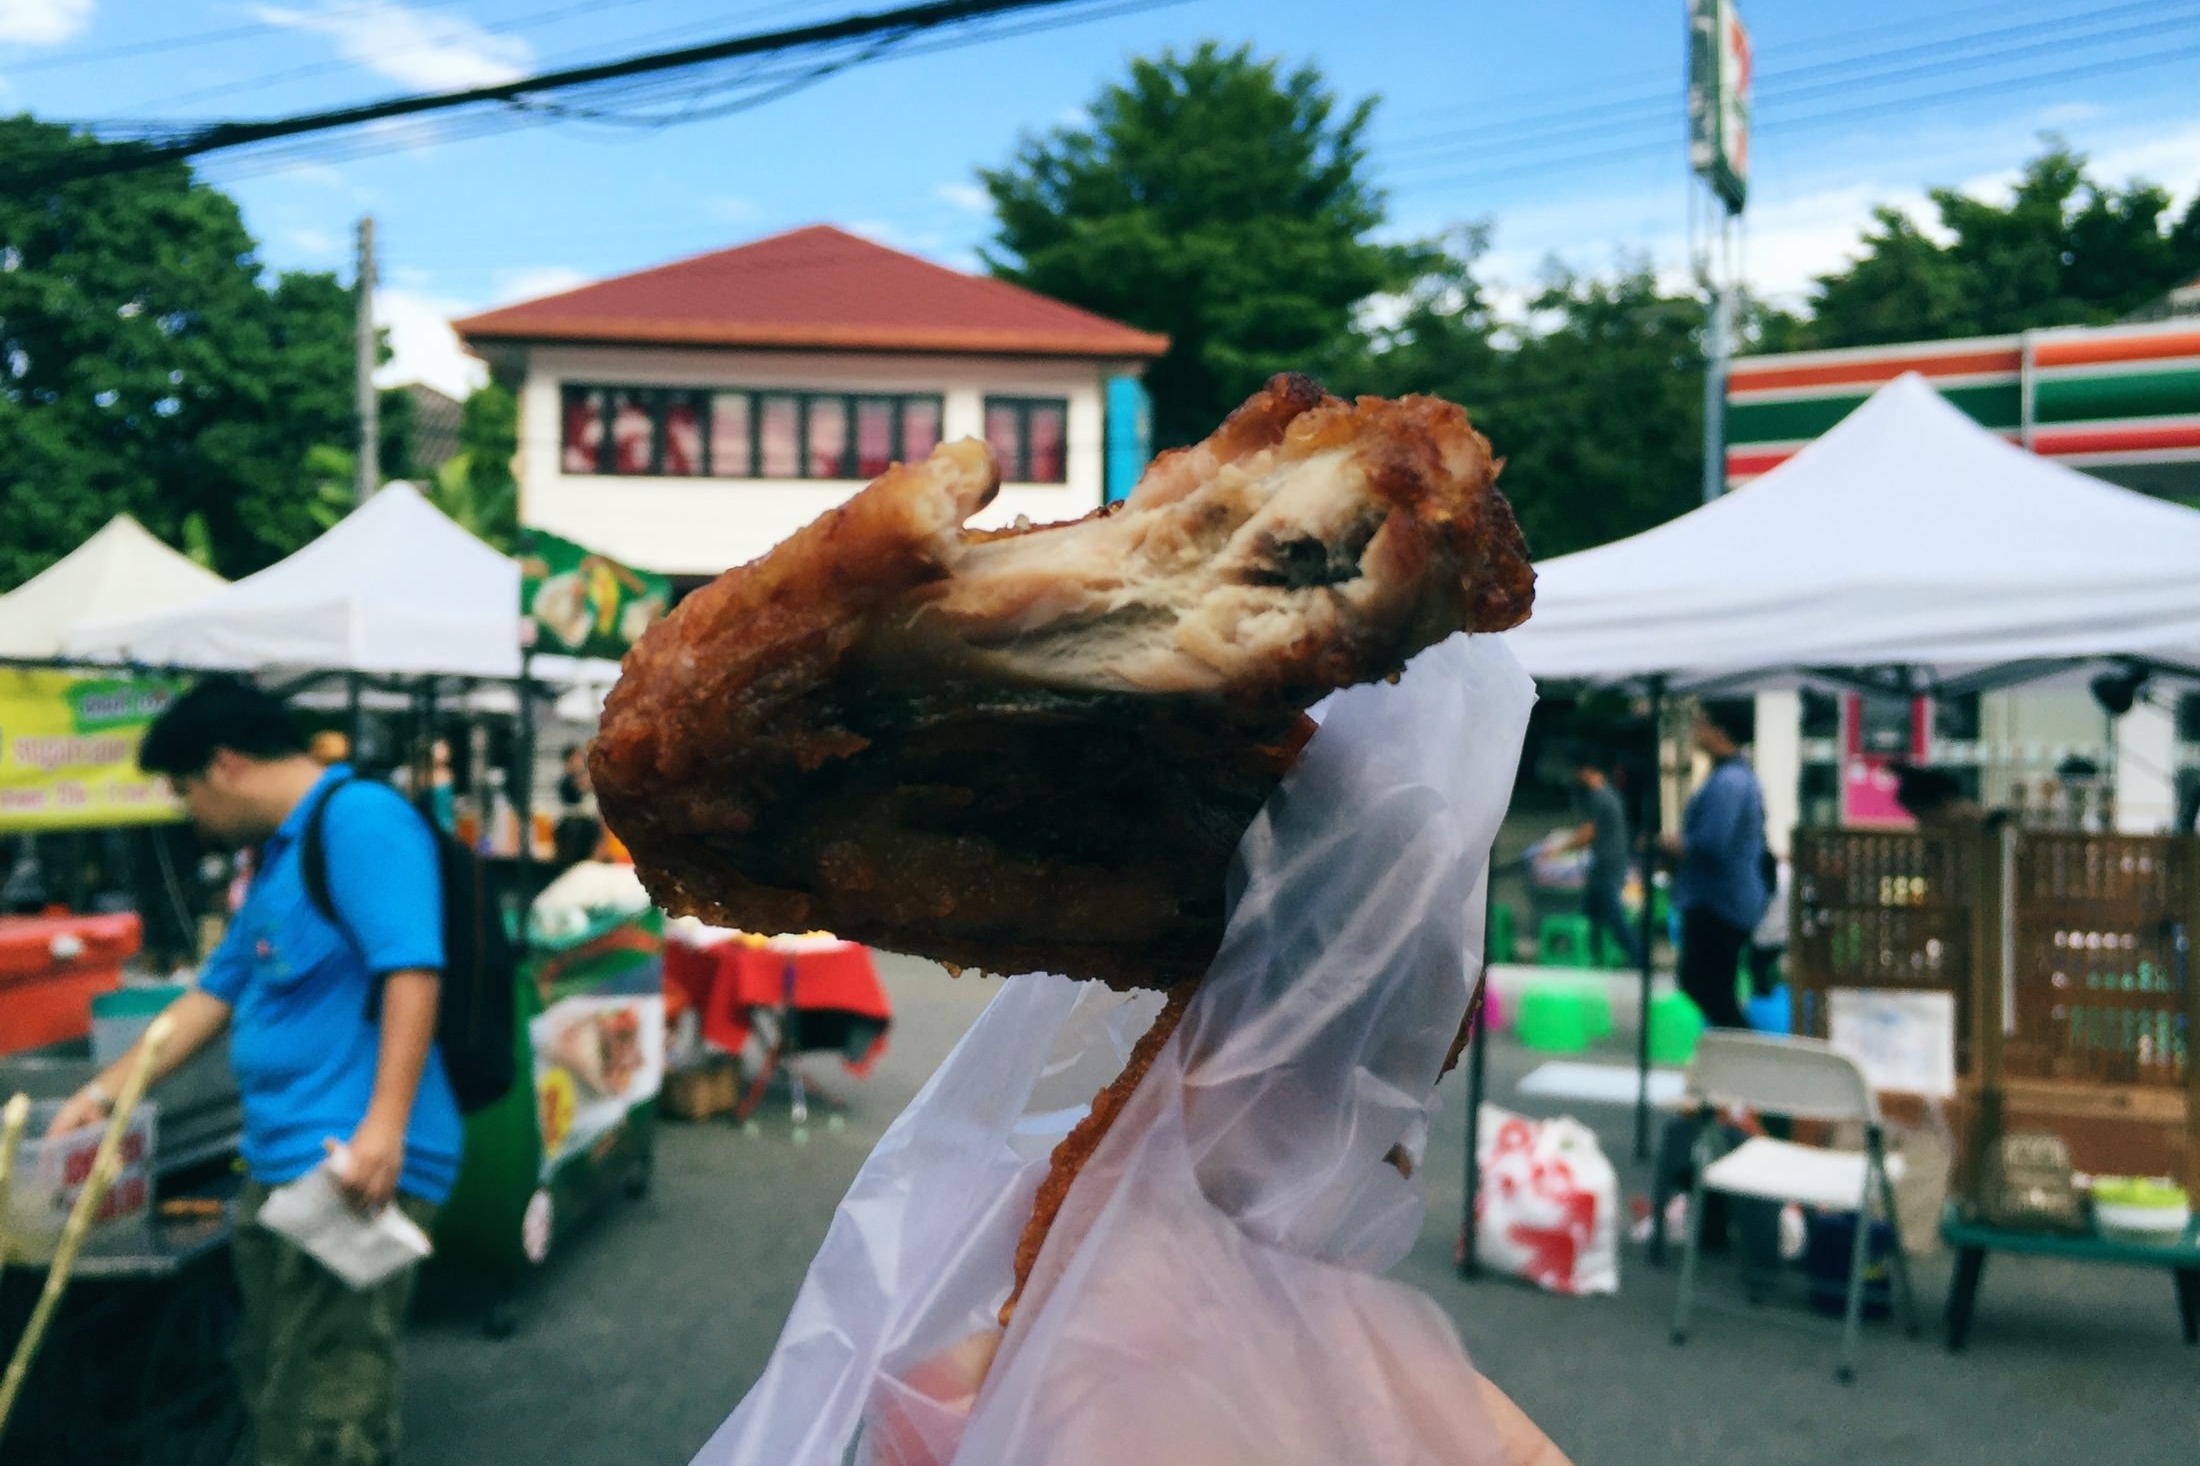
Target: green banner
<point x="583" y="604"/>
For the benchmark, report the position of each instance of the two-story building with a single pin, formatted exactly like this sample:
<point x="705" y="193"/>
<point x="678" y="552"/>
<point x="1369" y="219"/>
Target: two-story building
<point x="687" y="418"/>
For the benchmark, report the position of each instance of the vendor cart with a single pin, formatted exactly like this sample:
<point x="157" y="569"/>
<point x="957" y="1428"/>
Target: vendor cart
<point x="578" y="1127"/>
<point x="135" y="1371"/>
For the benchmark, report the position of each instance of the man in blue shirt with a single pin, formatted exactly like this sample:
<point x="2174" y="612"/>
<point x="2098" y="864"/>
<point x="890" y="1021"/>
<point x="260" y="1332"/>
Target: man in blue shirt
<point x="1719" y="888"/>
<point x="331" y="1034"/>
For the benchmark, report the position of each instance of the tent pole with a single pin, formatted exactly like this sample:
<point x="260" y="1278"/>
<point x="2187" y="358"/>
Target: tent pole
<point x="354" y="717"/>
<point x="523" y="791"/>
<point x="1470" y="1256"/>
<point x="1653" y="820"/>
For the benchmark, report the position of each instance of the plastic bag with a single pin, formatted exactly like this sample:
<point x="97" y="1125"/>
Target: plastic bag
<point x="1548" y="1206"/>
<point x="1206" y="1294"/>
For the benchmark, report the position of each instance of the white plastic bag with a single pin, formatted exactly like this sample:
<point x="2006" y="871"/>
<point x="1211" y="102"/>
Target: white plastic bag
<point x="1548" y="1206"/>
<point x="1206" y="1294"/>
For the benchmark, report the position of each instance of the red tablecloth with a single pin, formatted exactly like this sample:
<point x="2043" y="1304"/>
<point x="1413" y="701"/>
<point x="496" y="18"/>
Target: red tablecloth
<point x="835" y="991"/>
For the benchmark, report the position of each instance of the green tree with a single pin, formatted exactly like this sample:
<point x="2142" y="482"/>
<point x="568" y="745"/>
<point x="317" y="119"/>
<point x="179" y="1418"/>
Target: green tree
<point x="147" y="364"/>
<point x="1211" y="198"/>
<point x="2063" y="250"/>
<point x="1594" y="398"/>
<point x="476" y="487"/>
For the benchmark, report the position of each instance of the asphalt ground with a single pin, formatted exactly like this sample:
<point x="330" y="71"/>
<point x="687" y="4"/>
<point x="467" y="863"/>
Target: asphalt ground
<point x="645" y="1329"/>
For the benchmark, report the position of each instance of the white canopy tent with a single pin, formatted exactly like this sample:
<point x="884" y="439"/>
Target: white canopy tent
<point x="394" y="588"/>
<point x="1908" y="547"/>
<point x="1907" y="537"/>
<point x="122" y="571"/>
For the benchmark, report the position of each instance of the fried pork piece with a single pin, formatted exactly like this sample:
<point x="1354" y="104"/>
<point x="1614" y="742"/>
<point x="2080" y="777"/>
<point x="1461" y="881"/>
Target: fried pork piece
<point x="1037" y="749"/>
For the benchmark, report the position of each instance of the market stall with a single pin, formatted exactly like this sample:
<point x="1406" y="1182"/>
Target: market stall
<point x="578" y="1128"/>
<point x="119" y="573"/>
<point x="1909" y="550"/>
<point x="770" y="1000"/>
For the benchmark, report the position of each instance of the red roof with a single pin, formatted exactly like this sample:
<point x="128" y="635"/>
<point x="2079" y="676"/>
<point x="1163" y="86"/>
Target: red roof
<point x="814" y="287"/>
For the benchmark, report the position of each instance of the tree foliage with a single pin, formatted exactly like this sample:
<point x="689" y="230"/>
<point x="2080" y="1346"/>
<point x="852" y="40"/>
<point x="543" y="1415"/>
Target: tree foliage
<point x="2064" y="250"/>
<point x="148" y="365"/>
<point x="1594" y="397"/>
<point x="1215" y="199"/>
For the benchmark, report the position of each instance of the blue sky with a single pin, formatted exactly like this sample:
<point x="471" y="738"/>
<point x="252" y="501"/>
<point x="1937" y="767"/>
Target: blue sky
<point x="1558" y="122"/>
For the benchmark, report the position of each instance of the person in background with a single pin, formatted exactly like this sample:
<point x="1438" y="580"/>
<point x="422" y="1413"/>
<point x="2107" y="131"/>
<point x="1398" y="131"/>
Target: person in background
<point x="574" y="790"/>
<point x="1934" y="798"/>
<point x="329" y="748"/>
<point x="1719" y="888"/>
<point x="579" y="832"/>
<point x="1769" y="942"/>
<point x="1603" y="833"/>
<point x="442" y="805"/>
<point x="331" y="1030"/>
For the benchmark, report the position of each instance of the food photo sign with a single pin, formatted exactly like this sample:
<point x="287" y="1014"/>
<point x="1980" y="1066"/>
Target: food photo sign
<point x="583" y="604"/>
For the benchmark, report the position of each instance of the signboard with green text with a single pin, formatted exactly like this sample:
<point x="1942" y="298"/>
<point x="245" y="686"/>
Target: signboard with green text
<point x="68" y="750"/>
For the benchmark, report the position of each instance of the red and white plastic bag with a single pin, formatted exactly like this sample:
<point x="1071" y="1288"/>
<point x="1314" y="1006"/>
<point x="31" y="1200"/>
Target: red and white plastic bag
<point x="1548" y="1208"/>
<point x="1208" y="1294"/>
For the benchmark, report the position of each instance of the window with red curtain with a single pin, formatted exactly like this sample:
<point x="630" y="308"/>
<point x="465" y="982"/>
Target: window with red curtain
<point x="684" y="434"/>
<point x="1046" y="448"/>
<point x="1004" y="433"/>
<point x="920" y="427"/>
<point x="633" y="432"/>
<point x="729" y="436"/>
<point x="583" y="430"/>
<point x="827" y="430"/>
<point x="779" y="435"/>
<point x="874" y="436"/>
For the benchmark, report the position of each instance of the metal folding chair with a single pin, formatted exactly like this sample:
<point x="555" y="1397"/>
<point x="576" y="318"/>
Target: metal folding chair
<point x="1803" y="1078"/>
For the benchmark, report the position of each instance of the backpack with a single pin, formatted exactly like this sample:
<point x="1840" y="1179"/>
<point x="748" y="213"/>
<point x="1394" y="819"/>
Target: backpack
<point x="476" y="1020"/>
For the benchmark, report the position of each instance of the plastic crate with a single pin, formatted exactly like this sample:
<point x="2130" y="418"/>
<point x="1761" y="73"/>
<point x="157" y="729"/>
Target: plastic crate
<point x="49" y="1174"/>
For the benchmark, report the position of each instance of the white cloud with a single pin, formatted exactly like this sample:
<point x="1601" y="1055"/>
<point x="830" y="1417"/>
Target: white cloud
<point x="966" y="196"/>
<point x="532" y="282"/>
<point x="423" y="347"/>
<point x="1807" y="216"/>
<point x="433" y="52"/>
<point x="728" y="209"/>
<point x="310" y="241"/>
<point x="43" y="22"/>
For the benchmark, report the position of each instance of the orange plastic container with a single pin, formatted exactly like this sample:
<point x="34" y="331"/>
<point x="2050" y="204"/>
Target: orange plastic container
<point x="49" y="968"/>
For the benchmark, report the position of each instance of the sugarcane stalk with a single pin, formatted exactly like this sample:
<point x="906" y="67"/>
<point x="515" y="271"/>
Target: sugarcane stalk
<point x="12" y="1120"/>
<point x="106" y="1166"/>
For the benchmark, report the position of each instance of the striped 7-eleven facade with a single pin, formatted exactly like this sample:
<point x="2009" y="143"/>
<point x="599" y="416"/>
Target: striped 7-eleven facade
<point x="2120" y="402"/>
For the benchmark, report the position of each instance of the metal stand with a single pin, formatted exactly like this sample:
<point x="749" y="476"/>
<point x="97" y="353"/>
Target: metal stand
<point x="1653" y="821"/>
<point x="1470" y="1257"/>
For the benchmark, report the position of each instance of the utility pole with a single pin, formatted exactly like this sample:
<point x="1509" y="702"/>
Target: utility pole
<point x="367" y="467"/>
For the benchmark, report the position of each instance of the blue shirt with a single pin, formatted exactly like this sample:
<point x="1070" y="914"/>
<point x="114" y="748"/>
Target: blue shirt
<point x="300" y="1040"/>
<point x="1723" y="847"/>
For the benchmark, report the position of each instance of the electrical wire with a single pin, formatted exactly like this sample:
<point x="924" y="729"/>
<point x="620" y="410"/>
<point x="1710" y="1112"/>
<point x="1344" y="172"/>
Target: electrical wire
<point x="1635" y="113"/>
<point x="1781" y="127"/>
<point x="156" y="147"/>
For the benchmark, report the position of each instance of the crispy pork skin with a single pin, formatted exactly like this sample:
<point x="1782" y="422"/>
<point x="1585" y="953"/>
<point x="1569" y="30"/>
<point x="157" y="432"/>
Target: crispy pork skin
<point x="1036" y="749"/>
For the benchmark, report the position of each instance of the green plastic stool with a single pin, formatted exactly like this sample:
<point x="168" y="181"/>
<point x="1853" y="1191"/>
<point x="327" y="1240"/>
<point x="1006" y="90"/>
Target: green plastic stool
<point x="1675" y="1025"/>
<point x="1553" y="1020"/>
<point x="1610" y="954"/>
<point x="1501" y="948"/>
<point x="1596" y="1003"/>
<point x="1565" y="941"/>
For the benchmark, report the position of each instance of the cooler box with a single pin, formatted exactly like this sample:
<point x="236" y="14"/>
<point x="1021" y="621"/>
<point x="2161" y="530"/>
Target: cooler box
<point x="50" y="966"/>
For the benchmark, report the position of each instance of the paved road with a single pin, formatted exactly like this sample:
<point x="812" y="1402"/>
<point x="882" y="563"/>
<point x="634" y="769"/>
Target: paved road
<point x="639" y="1338"/>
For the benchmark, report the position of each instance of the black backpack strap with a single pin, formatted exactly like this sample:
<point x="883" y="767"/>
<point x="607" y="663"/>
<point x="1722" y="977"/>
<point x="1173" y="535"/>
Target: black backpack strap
<point x="313" y="860"/>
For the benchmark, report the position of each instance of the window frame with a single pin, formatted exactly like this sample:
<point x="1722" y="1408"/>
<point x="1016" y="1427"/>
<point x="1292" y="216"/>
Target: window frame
<point x="603" y="398"/>
<point x="1020" y="471"/>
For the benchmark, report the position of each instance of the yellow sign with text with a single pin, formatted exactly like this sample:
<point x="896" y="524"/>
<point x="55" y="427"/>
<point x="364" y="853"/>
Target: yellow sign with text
<point x="68" y="750"/>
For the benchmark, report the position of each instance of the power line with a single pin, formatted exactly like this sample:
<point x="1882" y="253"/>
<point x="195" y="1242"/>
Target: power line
<point x="910" y="20"/>
<point x="1627" y="114"/>
<point x="1788" y="126"/>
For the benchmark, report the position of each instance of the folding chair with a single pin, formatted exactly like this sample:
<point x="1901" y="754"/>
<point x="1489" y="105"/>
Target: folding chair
<point x="1806" y="1079"/>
